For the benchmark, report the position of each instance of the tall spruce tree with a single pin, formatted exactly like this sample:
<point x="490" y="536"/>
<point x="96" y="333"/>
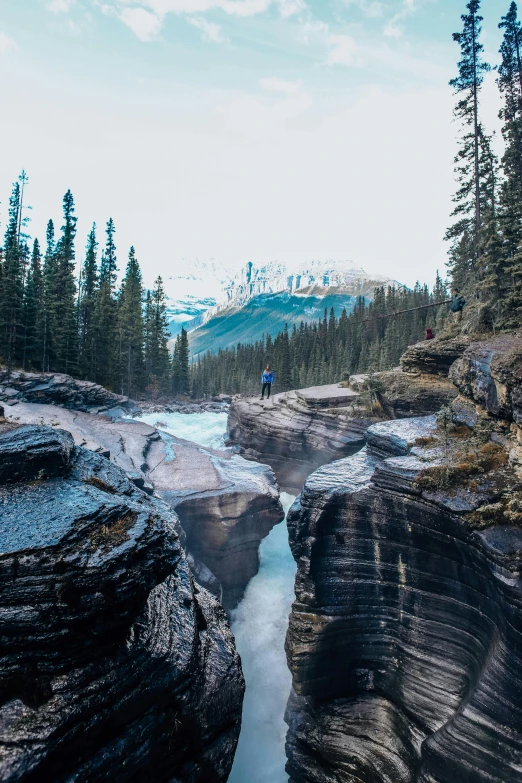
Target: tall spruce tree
<point x="64" y="322"/>
<point x="12" y="290"/>
<point x="510" y="213"/>
<point x="106" y="314"/>
<point x="49" y="298"/>
<point x="157" y="360"/>
<point x="131" y="329"/>
<point x="86" y="306"/>
<point x="33" y="311"/>
<point x="465" y="234"/>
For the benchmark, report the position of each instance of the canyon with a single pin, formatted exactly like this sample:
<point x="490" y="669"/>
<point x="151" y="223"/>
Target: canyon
<point x="405" y="637"/>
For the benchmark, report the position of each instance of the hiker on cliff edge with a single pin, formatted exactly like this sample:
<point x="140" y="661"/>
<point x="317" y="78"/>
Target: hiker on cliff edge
<point x="457" y="305"/>
<point x="267" y="380"/>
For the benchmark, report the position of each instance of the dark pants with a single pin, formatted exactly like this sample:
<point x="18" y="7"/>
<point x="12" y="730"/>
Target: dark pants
<point x="266" y="386"/>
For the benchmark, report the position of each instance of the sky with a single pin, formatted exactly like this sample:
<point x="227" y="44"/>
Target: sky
<point x="240" y="130"/>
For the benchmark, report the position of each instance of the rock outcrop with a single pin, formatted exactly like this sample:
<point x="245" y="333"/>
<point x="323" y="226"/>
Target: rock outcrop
<point x="114" y="664"/>
<point x="59" y="389"/>
<point x="434" y="357"/>
<point x="226" y="505"/>
<point x="296" y="432"/>
<point x="490" y="373"/>
<point x="405" y="639"/>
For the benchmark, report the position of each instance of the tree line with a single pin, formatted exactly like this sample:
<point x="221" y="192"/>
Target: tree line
<point x="486" y="235"/>
<point x="85" y="325"/>
<point x="371" y="338"/>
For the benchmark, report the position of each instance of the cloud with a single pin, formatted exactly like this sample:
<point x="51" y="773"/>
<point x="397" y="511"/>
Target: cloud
<point x="144" y="24"/>
<point x="371" y="8"/>
<point x="281" y="85"/>
<point x="60" y="6"/>
<point x="6" y="44"/>
<point x="393" y="29"/>
<point x="210" y="30"/>
<point x="343" y="51"/>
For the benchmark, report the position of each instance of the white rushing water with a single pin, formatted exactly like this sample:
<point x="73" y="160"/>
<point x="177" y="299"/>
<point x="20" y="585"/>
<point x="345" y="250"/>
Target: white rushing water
<point x="259" y="624"/>
<point x="205" y="429"/>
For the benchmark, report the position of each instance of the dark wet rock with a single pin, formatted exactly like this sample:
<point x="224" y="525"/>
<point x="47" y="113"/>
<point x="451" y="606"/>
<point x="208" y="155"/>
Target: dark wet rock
<point x="63" y="390"/>
<point x="114" y="665"/>
<point x="33" y="453"/>
<point x="405" y="639"/>
<point x="434" y="357"/>
<point x="294" y="433"/>
<point x="226" y="504"/>
<point x="490" y="373"/>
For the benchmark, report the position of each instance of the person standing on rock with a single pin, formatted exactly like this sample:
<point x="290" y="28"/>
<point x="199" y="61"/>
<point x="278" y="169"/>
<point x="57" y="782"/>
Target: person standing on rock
<point x="267" y="380"/>
<point x="457" y="305"/>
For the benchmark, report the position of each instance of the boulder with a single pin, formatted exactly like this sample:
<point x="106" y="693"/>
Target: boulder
<point x="114" y="665"/>
<point x="226" y="506"/>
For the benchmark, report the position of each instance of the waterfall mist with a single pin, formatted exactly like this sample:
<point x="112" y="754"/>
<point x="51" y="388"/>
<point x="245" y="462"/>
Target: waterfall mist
<point x="259" y="624"/>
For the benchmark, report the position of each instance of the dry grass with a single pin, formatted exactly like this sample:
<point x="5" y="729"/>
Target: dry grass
<point x="94" y="481"/>
<point x="113" y="534"/>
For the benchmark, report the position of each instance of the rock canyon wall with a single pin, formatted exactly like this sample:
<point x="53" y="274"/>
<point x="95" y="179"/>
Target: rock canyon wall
<point x="114" y="664"/>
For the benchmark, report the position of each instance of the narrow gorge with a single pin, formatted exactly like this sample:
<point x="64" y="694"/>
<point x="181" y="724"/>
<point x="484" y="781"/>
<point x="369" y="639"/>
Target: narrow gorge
<point x="397" y="585"/>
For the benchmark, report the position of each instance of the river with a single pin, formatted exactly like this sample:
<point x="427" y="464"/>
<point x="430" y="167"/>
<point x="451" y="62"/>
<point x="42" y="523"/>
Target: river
<point x="259" y="624"/>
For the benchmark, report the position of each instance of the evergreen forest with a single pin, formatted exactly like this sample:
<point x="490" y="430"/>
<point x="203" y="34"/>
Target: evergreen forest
<point x="87" y="325"/>
<point x="100" y="325"/>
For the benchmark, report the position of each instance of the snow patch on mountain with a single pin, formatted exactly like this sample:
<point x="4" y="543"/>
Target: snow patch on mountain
<point x="209" y="287"/>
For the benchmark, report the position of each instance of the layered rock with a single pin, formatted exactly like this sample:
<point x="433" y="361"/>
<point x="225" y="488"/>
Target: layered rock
<point x="490" y="373"/>
<point x="60" y="389"/>
<point x="296" y="432"/>
<point x="405" y="640"/>
<point x="434" y="357"/>
<point x="226" y="504"/>
<point x="114" y="665"/>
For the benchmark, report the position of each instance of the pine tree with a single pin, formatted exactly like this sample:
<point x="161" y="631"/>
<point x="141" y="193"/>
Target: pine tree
<point x="88" y="290"/>
<point x="510" y="215"/>
<point x="49" y="298"/>
<point x="105" y="313"/>
<point x="12" y="291"/>
<point x="131" y="329"/>
<point x="157" y="360"/>
<point x="33" y="311"/>
<point x="464" y="235"/>
<point x="64" y="321"/>
<point x="183" y="363"/>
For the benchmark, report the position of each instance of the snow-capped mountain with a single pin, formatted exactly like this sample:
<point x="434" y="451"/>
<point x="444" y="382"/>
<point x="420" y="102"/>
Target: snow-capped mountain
<point x="208" y="287"/>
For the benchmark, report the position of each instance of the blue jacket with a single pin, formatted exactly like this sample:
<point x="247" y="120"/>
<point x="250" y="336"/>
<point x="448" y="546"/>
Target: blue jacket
<point x="267" y="377"/>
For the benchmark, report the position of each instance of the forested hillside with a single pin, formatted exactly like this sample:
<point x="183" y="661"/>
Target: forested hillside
<point x="370" y="338"/>
<point x="89" y="327"/>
